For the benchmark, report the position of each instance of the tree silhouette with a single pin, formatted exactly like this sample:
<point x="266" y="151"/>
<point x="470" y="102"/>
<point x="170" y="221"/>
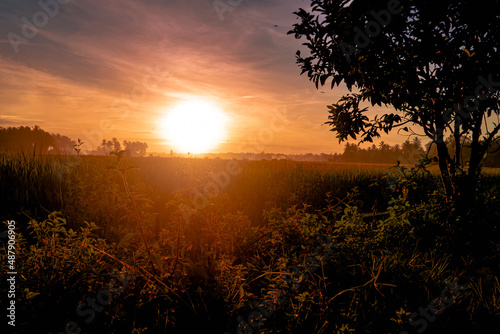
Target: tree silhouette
<point x="116" y="145"/>
<point x="26" y="139"/>
<point x="384" y="154"/>
<point x="135" y="149"/>
<point x="63" y="144"/>
<point x="109" y="145"/>
<point x="434" y="62"/>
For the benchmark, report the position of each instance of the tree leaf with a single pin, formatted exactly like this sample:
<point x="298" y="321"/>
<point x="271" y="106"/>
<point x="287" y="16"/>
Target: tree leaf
<point x="125" y="240"/>
<point x="156" y="259"/>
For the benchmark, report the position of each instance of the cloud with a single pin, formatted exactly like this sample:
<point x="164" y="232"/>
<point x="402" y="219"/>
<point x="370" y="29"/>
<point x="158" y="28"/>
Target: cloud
<point x="94" y="53"/>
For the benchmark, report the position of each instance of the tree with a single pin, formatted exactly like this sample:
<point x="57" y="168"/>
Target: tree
<point x="25" y="139"/>
<point x="135" y="149"/>
<point x="434" y="62"/>
<point x="116" y="145"/>
<point x="63" y="144"/>
<point x="351" y="153"/>
<point x="492" y="158"/>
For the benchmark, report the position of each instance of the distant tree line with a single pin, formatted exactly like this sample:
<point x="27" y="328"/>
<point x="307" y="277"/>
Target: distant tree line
<point x="407" y="153"/>
<point x="384" y="153"/>
<point x="131" y="148"/>
<point x="411" y="152"/>
<point x="490" y="159"/>
<point x="33" y="139"/>
<point x="28" y="139"/>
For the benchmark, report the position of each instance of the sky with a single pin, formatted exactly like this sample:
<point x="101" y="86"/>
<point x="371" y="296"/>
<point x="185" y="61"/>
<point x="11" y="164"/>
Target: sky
<point x="94" y="69"/>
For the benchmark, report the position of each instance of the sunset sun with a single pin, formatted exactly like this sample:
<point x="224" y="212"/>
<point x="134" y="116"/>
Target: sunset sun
<point x="195" y="126"/>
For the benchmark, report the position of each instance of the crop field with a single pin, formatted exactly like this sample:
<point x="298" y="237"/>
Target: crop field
<point x="178" y="245"/>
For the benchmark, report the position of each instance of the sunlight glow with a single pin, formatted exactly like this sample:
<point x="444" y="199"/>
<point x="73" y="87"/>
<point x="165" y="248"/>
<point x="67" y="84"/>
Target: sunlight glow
<point x="195" y="126"/>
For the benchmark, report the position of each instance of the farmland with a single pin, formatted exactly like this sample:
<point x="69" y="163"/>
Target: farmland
<point x="178" y="245"/>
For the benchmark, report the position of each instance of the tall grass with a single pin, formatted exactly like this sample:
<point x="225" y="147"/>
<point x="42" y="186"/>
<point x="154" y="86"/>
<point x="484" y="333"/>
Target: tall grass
<point x="396" y="244"/>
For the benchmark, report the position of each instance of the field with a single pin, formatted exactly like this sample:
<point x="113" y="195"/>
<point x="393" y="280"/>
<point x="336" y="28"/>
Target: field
<point x="177" y="245"/>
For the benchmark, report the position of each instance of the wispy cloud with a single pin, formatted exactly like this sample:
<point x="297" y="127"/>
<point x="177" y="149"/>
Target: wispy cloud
<point x="93" y="53"/>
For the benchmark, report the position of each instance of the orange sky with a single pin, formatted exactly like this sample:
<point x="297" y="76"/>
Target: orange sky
<point x="103" y="69"/>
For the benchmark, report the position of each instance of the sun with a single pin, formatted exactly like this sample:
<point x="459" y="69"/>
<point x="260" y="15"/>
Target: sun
<point x="195" y="126"/>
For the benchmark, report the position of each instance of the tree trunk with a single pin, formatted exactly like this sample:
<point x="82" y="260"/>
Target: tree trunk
<point x="444" y="161"/>
<point x="468" y="184"/>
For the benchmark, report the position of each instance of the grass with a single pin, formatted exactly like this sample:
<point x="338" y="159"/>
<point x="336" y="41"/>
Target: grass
<point x="190" y="252"/>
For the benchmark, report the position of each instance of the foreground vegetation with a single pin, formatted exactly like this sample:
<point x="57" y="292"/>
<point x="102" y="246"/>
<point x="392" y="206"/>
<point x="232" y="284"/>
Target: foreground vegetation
<point x="152" y="245"/>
